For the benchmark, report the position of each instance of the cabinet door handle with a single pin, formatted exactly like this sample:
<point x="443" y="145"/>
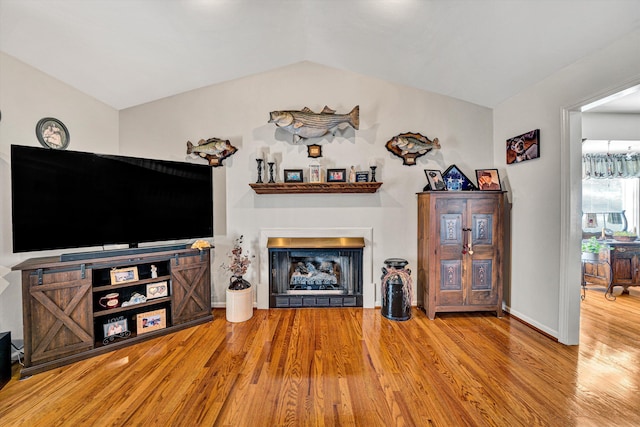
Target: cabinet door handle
<point x="466" y="242"/>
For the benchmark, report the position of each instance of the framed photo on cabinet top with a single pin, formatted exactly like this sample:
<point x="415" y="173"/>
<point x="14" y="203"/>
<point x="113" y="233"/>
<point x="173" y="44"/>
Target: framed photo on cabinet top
<point x="435" y="180"/>
<point x="488" y="179"/>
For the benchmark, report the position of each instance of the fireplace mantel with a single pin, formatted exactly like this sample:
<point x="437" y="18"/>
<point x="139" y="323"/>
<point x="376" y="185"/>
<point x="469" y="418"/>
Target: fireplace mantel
<point x="315" y="187"/>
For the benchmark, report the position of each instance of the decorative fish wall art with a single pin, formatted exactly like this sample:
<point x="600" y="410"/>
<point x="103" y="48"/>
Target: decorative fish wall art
<point x="215" y="150"/>
<point x="409" y="146"/>
<point x="307" y="124"/>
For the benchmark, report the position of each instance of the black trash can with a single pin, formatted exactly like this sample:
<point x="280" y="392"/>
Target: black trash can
<point x="397" y="289"/>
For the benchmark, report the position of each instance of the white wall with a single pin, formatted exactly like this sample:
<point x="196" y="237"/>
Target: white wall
<point x="239" y="110"/>
<point x="26" y="96"/>
<point x="608" y="126"/>
<point x="536" y="186"/>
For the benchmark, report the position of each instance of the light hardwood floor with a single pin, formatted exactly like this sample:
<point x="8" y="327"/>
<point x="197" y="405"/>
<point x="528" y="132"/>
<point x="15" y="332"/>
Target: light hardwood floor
<point x="351" y="367"/>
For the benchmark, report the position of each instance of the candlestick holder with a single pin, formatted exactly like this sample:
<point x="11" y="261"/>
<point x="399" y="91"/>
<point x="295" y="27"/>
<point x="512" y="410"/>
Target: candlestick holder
<point x="271" y="180"/>
<point x="373" y="173"/>
<point x="259" y="181"/>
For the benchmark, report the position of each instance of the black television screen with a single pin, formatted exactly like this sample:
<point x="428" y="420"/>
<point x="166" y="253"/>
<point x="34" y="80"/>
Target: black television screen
<point x="69" y="199"/>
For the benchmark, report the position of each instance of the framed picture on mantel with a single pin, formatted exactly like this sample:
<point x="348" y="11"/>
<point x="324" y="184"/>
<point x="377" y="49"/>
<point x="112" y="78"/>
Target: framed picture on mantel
<point x="336" y="175"/>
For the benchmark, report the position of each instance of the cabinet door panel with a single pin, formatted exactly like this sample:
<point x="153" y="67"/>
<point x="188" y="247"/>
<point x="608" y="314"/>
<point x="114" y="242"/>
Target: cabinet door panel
<point x="448" y="254"/>
<point x="60" y="315"/>
<point x="191" y="287"/>
<point x="623" y="269"/>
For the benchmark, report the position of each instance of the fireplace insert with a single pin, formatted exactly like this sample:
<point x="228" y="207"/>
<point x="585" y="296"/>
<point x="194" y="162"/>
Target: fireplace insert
<point x="315" y="277"/>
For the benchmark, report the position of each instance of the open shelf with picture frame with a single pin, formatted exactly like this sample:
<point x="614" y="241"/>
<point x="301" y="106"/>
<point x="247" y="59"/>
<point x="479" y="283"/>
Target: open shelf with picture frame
<point x="316" y="187"/>
<point x="77" y="309"/>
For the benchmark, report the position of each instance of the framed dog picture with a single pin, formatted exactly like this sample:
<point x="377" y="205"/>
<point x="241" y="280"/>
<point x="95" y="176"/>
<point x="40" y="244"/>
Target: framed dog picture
<point x="488" y="179"/>
<point x="523" y="147"/>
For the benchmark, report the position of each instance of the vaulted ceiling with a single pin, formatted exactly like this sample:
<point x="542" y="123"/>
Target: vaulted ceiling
<point x="128" y="52"/>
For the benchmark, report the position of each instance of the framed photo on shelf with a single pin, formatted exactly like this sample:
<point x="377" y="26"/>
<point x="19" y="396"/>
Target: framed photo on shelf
<point x="336" y="175"/>
<point x="116" y="327"/>
<point x="314" y="173"/>
<point x="124" y="275"/>
<point x="435" y="180"/>
<point x="151" y="321"/>
<point x="157" y="290"/>
<point x="488" y="179"/>
<point x="362" y="176"/>
<point x="293" y="175"/>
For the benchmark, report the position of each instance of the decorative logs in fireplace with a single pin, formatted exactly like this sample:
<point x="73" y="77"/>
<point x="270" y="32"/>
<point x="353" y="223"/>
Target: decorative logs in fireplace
<point x="315" y="272"/>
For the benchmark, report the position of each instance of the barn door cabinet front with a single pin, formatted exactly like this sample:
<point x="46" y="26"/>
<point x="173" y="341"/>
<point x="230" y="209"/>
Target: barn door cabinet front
<point x="57" y="313"/>
<point x="460" y="245"/>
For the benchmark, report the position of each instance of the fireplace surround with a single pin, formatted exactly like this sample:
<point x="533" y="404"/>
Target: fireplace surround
<point x="365" y="233"/>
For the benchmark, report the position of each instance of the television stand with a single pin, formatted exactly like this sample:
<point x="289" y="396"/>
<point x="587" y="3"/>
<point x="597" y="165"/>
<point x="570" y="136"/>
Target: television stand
<point x="78" y="256"/>
<point x="73" y="310"/>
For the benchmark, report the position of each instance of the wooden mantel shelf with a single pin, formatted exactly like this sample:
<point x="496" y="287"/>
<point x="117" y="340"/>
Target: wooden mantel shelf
<point x="316" y="187"/>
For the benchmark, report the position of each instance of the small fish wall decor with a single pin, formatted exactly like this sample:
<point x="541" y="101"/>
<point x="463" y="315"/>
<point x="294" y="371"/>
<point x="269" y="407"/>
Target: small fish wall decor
<point x="215" y="150"/>
<point x="307" y="124"/>
<point x="409" y="146"/>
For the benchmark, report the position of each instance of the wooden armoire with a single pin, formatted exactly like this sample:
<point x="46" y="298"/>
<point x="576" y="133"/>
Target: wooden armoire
<point x="460" y="251"/>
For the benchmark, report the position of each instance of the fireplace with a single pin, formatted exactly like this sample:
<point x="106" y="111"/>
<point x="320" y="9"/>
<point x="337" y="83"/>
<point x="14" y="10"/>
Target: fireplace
<point x="315" y="272"/>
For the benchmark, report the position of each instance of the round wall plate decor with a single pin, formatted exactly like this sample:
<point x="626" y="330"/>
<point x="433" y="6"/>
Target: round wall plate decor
<point x="52" y="133"/>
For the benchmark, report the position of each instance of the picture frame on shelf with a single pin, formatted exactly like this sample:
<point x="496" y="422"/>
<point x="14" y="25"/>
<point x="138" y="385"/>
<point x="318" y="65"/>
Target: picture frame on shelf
<point x="314" y="173"/>
<point x="362" y="176"/>
<point x="116" y="327"/>
<point x="157" y="290"/>
<point x="488" y="180"/>
<point x="293" y="175"/>
<point x="336" y="175"/>
<point x="151" y="321"/>
<point x="435" y="180"/>
<point x="455" y="180"/>
<point x="124" y="275"/>
<point x="52" y="133"/>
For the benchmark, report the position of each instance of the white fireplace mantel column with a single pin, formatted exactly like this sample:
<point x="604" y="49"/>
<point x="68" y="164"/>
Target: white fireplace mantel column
<point x="368" y="287"/>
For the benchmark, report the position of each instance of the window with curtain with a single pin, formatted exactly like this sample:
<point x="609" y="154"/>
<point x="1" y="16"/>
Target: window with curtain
<point x="606" y="166"/>
<point x="604" y="199"/>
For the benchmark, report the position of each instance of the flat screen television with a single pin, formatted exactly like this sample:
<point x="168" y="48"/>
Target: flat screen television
<point x="68" y="199"/>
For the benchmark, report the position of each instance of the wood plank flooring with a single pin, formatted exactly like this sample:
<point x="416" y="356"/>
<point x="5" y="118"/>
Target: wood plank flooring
<point x="351" y="367"/>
